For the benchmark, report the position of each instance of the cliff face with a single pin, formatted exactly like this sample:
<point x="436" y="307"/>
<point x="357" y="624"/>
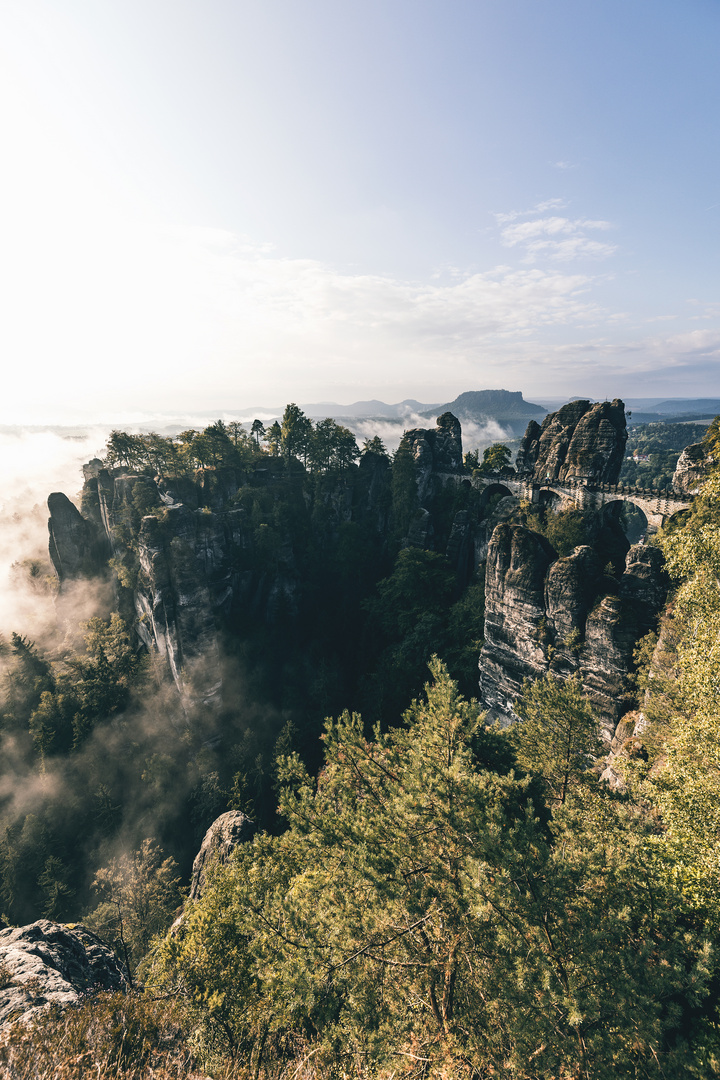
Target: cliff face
<point x="194" y="562"/>
<point x="76" y="546"/>
<point x="579" y="440"/>
<point x="563" y="615"/>
<point x="514" y="649"/>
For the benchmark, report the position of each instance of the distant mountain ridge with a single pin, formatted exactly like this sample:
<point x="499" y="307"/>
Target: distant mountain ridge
<point x="504" y="406"/>
<point x="500" y="405"/>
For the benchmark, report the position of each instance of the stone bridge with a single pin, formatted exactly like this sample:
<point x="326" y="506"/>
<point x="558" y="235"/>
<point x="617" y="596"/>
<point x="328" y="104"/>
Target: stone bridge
<point x="657" y="504"/>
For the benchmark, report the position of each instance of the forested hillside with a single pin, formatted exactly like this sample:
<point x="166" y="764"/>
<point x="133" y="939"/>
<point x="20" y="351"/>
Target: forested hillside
<point x="424" y="895"/>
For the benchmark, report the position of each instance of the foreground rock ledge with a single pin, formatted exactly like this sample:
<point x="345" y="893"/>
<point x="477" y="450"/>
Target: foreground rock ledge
<point x="48" y="963"/>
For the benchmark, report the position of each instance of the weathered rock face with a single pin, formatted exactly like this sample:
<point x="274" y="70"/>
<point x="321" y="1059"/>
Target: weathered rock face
<point x="437" y="450"/>
<point x="76" y="548"/>
<point x="48" y="963"/>
<point x="579" y="440"/>
<point x="571" y="586"/>
<point x="691" y="469"/>
<point x="196" y="564"/>
<point x="187" y="552"/>
<point x="221" y="839"/>
<point x="563" y="615"/>
<point x="515" y="646"/>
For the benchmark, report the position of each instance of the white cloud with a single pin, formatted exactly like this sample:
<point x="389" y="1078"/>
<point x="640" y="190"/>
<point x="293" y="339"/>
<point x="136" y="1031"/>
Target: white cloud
<point x="561" y="239"/>
<point x="154" y="319"/>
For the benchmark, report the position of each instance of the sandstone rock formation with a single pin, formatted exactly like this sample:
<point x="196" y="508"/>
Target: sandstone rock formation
<point x="515" y="647"/>
<point x="221" y="839"/>
<point x="566" y="616"/>
<point x="48" y="963"/>
<point x="580" y="440"/>
<point x="435" y="450"/>
<point x="690" y="470"/>
<point x="75" y="546"/>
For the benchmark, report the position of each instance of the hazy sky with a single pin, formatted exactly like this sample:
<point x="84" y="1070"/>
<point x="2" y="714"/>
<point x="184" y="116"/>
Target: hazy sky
<point x="209" y="205"/>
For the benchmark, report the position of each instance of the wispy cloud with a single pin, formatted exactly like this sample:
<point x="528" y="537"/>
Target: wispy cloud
<point x="559" y="238"/>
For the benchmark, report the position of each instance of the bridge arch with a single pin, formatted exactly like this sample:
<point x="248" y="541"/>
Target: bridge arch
<point x="547" y="499"/>
<point x="489" y="494"/>
<point x="629" y="515"/>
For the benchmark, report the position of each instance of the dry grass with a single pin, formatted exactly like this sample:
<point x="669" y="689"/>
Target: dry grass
<point x="109" y="1035"/>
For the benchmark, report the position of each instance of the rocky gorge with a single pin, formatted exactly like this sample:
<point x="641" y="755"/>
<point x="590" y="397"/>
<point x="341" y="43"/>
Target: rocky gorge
<point x="190" y="560"/>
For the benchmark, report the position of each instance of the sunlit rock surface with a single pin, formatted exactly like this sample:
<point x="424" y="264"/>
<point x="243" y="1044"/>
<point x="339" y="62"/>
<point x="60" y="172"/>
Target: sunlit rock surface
<point x="580" y="440"/>
<point x="48" y="963"/>
<point x="565" y="615"/>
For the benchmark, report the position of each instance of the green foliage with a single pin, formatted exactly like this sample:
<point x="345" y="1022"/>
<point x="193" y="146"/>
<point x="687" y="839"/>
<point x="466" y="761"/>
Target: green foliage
<point x="219" y="445"/>
<point x="332" y="448"/>
<point x="258" y="431"/>
<point x="566" y="530"/>
<point x="471" y="460"/>
<point x="686" y="789"/>
<point x="139" y="896"/>
<point x="296" y="432"/>
<point x="404" y="489"/>
<point x="661" y="444"/>
<point x="274" y="438"/>
<point x="417" y="919"/>
<point x="495" y="458"/>
<point x="557" y="737"/>
<point x="375" y="446"/>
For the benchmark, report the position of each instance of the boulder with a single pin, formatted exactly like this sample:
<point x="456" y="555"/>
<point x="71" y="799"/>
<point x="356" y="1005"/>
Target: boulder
<point x="48" y="963"/>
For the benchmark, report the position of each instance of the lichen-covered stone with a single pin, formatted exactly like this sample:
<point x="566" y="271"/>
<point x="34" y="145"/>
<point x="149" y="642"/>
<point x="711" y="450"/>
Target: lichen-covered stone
<point x="48" y="963"/>
<point x="570" y="587"/>
<point x="515" y="646"/>
<point x="435" y="450"/>
<point x="565" y="616"/>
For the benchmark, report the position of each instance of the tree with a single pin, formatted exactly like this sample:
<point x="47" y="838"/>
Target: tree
<point x="258" y="431"/>
<point x="296" y="432"/>
<point x="332" y="447"/>
<point x="557" y="735"/>
<point x="495" y="458"/>
<point x="416" y="911"/>
<point x="123" y="449"/>
<point x="471" y="460"/>
<point x="139" y="895"/>
<point x="274" y="438"/>
<point x="374" y="446"/>
<point x="404" y="488"/>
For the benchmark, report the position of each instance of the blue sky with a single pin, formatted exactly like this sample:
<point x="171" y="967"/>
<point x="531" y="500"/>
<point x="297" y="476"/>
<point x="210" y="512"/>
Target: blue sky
<point x="219" y="204"/>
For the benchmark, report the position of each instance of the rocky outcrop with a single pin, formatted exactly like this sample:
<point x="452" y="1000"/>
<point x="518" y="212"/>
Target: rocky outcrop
<point x="48" y="963"/>
<point x="515" y="634"/>
<point x="435" y="450"/>
<point x="75" y="545"/>
<point x="580" y="440"/>
<point x="565" y="616"/>
<point x="221" y="839"/>
<point x="691" y="469"/>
